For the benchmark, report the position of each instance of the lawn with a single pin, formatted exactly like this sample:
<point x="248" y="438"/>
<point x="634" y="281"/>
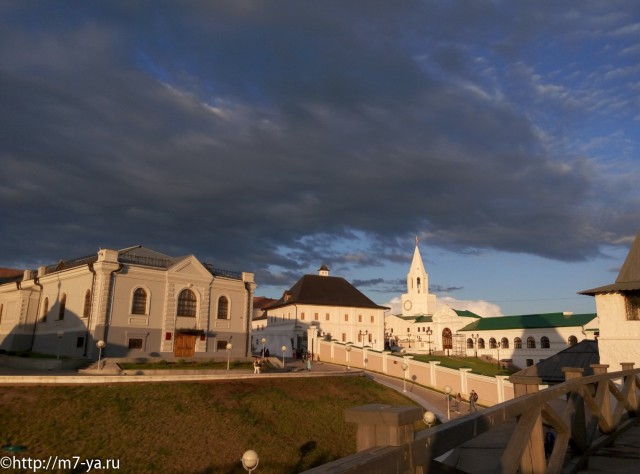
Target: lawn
<point x="476" y="364"/>
<point x="293" y="424"/>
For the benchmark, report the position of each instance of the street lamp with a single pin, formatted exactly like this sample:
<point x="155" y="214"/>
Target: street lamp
<point x="429" y="333"/>
<point x="348" y="349"/>
<point x="264" y="341"/>
<point x="447" y="391"/>
<point x="250" y="460"/>
<point x="100" y="345"/>
<point x="404" y="382"/>
<point x="229" y="347"/>
<point x="428" y="418"/>
<point x="284" y="349"/>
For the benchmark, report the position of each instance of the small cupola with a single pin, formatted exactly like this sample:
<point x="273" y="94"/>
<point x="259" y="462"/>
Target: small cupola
<point x="324" y="270"/>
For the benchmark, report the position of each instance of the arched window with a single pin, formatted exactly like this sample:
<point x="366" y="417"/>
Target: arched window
<point x="492" y="343"/>
<point x="223" y="308"/>
<point x="418" y="284"/>
<point x="504" y="343"/>
<point x="517" y="343"/>
<point x="531" y="343"/>
<point x="447" y="339"/>
<point x="187" y="303"/>
<point x="573" y="340"/>
<point x="469" y="343"/>
<point x="544" y="342"/>
<point x="45" y="310"/>
<point x="139" y="303"/>
<point x="87" y="304"/>
<point x="63" y="305"/>
<point x="480" y="343"/>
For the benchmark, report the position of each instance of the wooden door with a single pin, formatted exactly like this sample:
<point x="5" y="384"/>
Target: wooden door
<point x="185" y="345"/>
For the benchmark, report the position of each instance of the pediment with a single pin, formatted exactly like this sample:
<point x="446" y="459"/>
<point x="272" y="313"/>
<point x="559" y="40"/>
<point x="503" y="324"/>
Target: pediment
<point x="190" y="266"/>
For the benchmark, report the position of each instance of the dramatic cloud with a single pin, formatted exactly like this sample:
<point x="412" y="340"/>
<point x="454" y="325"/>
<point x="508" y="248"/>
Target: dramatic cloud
<point x="276" y="136"/>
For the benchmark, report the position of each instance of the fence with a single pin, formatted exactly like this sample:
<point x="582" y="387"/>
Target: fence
<point x="492" y="390"/>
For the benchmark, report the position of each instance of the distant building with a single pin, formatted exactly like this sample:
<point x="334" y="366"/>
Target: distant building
<point x="322" y="306"/>
<point x="581" y="356"/>
<point x="618" y="306"/>
<point x="424" y="326"/>
<point x="139" y="301"/>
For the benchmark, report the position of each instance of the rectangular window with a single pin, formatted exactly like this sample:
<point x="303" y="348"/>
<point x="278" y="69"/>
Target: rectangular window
<point x="327" y="317"/>
<point x="346" y="317"/>
<point x="359" y="318"/>
<point x="135" y="343"/>
<point x="302" y="316"/>
<point x="344" y="337"/>
<point x="316" y="316"/>
<point x="373" y="319"/>
<point x="221" y="346"/>
<point x="80" y="342"/>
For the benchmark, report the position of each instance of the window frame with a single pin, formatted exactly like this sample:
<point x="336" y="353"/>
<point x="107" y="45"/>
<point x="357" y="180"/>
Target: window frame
<point x="223" y="311"/>
<point x="187" y="307"/>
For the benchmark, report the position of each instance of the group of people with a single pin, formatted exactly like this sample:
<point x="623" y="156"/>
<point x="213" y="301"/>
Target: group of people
<point x="473" y="402"/>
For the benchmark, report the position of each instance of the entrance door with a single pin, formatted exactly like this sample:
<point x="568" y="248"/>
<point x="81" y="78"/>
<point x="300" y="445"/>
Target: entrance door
<point x="185" y="345"/>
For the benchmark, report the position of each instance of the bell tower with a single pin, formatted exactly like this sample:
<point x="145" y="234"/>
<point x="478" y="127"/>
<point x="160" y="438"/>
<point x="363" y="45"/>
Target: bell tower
<point x="417" y="300"/>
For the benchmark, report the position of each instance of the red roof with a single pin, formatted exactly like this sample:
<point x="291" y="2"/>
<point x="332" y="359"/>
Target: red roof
<point x="10" y="272"/>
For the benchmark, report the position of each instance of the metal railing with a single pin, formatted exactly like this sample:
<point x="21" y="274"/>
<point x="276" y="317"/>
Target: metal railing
<point x="66" y="264"/>
<point x="593" y="411"/>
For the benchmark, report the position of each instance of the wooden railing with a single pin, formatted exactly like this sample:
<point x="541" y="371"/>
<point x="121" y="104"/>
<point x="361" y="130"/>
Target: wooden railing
<point x="585" y="413"/>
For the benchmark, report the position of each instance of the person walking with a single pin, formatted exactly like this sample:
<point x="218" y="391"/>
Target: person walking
<point x="458" y="402"/>
<point x="256" y="366"/>
<point x="473" y="400"/>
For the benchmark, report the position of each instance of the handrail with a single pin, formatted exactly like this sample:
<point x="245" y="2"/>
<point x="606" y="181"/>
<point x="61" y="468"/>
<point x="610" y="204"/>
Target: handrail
<point x="596" y="410"/>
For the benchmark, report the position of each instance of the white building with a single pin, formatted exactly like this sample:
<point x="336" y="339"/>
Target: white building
<point x="140" y="302"/>
<point x="322" y="306"/>
<point x="522" y="340"/>
<point x="618" y="307"/>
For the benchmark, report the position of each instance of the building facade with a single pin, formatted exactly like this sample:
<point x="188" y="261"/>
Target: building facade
<point x="140" y="302"/>
<point x="322" y="306"/>
<point x="618" y="307"/>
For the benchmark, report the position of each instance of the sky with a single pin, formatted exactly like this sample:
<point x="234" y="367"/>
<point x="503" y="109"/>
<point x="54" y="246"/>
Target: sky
<point x="276" y="136"/>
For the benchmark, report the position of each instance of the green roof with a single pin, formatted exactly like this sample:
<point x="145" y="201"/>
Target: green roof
<point x="530" y="321"/>
<point x="466" y="313"/>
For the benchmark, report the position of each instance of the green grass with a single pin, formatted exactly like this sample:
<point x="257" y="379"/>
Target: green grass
<point x="477" y="365"/>
<point x="293" y="424"/>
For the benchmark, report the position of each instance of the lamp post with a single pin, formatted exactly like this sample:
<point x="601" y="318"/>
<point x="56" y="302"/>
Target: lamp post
<point x="429" y="333"/>
<point x="250" y="460"/>
<point x="100" y="345"/>
<point x="264" y="341"/>
<point x="475" y="344"/>
<point x="447" y="391"/>
<point x="60" y="335"/>
<point x="428" y="418"/>
<point x="348" y="349"/>
<point x="229" y="347"/>
<point x="284" y="349"/>
<point x="404" y="381"/>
